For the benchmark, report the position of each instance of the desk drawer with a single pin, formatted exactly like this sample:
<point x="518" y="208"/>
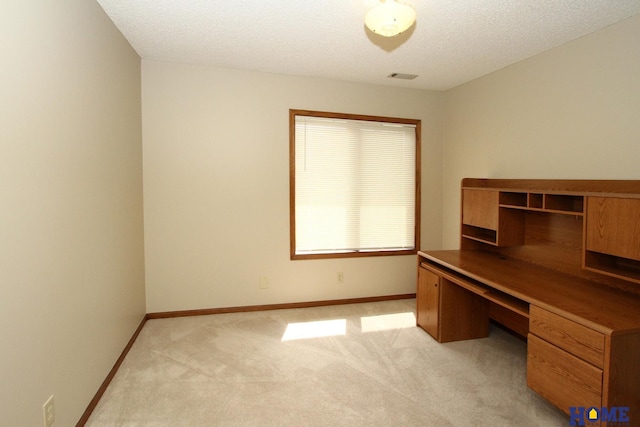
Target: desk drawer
<point x="578" y="340"/>
<point x="561" y="378"/>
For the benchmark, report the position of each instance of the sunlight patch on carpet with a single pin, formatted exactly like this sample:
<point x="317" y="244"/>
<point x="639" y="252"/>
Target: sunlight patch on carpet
<point x="322" y="328"/>
<point x="388" y="322"/>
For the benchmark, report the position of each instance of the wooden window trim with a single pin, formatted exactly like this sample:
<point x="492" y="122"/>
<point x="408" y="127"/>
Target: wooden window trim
<point x="292" y="188"/>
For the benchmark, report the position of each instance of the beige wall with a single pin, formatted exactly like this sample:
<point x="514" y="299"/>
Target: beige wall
<point x="71" y="249"/>
<point x="570" y="112"/>
<point x="216" y="177"/>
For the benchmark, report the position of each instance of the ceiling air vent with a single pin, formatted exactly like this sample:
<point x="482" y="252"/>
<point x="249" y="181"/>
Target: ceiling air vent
<point x="402" y="76"/>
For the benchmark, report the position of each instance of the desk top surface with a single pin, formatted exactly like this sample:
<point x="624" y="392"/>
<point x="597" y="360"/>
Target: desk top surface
<point x="610" y="311"/>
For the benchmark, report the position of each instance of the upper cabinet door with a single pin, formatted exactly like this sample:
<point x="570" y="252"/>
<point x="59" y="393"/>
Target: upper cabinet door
<point x="613" y="226"/>
<point x="480" y="208"/>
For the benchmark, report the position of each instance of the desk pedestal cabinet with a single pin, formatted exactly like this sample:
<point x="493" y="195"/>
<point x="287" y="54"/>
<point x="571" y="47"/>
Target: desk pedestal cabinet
<point x="564" y="360"/>
<point x="558" y="262"/>
<point x="447" y="311"/>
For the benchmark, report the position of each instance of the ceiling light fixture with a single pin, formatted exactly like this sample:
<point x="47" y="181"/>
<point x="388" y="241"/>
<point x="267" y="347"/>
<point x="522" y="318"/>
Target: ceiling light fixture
<point x="390" y="18"/>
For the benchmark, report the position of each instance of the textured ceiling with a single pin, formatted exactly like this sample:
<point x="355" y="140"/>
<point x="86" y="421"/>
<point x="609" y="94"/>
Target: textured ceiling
<point x="453" y="41"/>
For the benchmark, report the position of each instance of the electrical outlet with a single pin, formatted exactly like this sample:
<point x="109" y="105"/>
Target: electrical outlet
<point x="340" y="278"/>
<point x="264" y="282"/>
<point x="48" y="412"/>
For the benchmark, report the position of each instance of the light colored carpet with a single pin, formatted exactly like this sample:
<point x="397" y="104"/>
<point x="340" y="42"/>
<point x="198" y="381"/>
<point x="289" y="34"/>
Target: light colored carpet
<point x="373" y="368"/>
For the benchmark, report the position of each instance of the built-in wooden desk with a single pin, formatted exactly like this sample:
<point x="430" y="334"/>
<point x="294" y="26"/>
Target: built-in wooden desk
<point x="527" y="262"/>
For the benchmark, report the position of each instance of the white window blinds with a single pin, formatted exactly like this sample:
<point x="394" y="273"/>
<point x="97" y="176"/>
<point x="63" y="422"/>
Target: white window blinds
<point x="355" y="186"/>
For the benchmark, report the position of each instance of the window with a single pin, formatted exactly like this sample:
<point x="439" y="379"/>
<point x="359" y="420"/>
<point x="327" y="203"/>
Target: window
<point x="354" y="185"/>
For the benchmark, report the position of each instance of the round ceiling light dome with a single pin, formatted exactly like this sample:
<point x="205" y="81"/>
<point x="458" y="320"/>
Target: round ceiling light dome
<point x="390" y="18"/>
